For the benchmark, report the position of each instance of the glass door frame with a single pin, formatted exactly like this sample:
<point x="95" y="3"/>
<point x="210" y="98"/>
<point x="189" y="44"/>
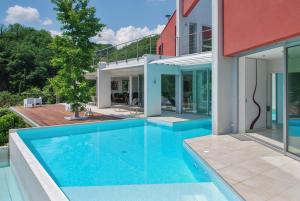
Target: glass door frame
<point x="285" y="130"/>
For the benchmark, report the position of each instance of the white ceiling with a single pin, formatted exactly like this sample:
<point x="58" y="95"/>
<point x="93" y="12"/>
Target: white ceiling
<point x="275" y="53"/>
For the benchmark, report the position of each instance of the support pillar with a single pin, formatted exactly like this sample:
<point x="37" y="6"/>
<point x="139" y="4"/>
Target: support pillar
<point x="130" y="89"/>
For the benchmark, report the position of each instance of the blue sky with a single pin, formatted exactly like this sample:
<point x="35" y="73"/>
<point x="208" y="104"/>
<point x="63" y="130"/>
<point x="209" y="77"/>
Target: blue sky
<point x="122" y="17"/>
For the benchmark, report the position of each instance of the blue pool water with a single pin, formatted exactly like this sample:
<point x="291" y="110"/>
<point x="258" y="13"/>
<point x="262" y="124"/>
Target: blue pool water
<point x="130" y="157"/>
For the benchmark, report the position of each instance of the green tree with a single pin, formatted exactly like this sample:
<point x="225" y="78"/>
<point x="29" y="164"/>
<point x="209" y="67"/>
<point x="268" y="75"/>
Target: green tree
<point x="74" y="51"/>
<point x="24" y="58"/>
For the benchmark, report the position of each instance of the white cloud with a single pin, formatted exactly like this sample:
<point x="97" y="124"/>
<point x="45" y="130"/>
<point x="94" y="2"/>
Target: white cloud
<point x="20" y="14"/>
<point x="125" y="34"/>
<point x="55" y="33"/>
<point x="47" y="21"/>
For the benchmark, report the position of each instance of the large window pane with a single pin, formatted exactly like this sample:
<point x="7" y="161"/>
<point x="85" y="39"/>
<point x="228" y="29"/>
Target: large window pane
<point x="197" y="92"/>
<point x="188" y="92"/>
<point x="168" y="92"/>
<point x="293" y="99"/>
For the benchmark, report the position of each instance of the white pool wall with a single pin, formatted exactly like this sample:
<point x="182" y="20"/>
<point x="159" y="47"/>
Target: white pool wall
<point x="35" y="182"/>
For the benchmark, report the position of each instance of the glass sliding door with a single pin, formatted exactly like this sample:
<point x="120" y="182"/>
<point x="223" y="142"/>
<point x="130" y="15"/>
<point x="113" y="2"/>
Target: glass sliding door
<point x="168" y="86"/>
<point x="197" y="92"/>
<point x="293" y="99"/>
<point x="141" y="90"/>
<point x="203" y="88"/>
<point x="187" y="86"/>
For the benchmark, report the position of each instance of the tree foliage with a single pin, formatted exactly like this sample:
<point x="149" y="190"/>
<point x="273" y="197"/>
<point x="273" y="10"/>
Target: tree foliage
<point x="73" y="51"/>
<point x="24" y="58"/>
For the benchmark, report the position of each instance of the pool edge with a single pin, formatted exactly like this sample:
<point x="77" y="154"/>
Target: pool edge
<point x="212" y="170"/>
<point x="35" y="182"/>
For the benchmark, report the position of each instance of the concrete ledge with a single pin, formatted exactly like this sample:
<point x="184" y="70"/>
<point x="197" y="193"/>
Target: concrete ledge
<point x="35" y="182"/>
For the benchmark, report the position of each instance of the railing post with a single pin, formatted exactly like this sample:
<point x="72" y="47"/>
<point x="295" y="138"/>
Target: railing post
<point x="116" y="55"/>
<point x="107" y="56"/>
<point x="150" y="44"/>
<point x="137" y="50"/>
<point x="126" y="51"/>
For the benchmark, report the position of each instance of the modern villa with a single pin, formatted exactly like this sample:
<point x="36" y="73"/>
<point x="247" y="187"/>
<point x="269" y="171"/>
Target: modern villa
<point x="231" y="66"/>
<point x="182" y="60"/>
<point x="244" y="63"/>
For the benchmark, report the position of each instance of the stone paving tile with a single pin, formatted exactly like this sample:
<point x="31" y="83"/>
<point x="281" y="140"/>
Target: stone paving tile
<point x="256" y="172"/>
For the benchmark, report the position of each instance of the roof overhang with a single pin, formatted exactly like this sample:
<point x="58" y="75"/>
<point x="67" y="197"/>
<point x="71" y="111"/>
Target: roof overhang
<point x="187" y="60"/>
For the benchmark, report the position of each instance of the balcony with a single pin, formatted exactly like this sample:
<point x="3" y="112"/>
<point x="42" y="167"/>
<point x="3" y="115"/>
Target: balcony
<point x="132" y="52"/>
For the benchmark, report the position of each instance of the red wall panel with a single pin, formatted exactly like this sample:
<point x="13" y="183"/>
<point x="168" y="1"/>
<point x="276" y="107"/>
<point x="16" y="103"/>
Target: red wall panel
<point x="250" y="24"/>
<point x="188" y="6"/>
<point x="166" y="43"/>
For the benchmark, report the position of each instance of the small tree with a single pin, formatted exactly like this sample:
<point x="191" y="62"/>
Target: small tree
<point x="73" y="51"/>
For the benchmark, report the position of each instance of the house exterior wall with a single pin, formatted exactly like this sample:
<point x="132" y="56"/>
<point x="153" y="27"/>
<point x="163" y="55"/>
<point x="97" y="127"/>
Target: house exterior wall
<point x="174" y="39"/>
<point x="200" y="15"/>
<point x="251" y="24"/>
<point x="167" y="39"/>
<point x="224" y="78"/>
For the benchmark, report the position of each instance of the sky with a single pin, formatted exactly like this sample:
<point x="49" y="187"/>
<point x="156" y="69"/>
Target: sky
<point x="125" y="20"/>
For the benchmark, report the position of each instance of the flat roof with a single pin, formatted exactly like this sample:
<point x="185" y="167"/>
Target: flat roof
<point x="187" y="60"/>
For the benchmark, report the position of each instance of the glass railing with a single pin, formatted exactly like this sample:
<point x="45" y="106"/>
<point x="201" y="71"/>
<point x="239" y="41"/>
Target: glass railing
<point x="135" y="49"/>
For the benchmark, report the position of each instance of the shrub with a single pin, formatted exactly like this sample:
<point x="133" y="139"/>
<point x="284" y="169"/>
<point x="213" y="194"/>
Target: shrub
<point x="9" y="120"/>
<point x="8" y="99"/>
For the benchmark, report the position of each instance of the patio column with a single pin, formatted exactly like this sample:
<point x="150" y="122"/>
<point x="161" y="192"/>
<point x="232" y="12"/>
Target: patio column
<point x="130" y="89"/>
<point x="103" y="88"/>
<point x="224" y="78"/>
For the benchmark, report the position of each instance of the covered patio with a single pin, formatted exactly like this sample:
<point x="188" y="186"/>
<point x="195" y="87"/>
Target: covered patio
<point x="120" y="85"/>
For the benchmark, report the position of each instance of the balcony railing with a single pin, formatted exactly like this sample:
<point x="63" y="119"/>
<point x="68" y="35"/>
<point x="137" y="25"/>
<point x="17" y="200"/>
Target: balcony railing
<point x="135" y="49"/>
<point x="130" y="50"/>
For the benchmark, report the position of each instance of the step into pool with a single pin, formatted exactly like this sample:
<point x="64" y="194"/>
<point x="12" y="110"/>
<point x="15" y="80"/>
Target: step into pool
<point x="127" y="160"/>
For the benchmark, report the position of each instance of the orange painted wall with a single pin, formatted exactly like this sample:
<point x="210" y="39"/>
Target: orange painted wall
<point x="250" y="24"/>
<point x="188" y="6"/>
<point x="167" y="39"/>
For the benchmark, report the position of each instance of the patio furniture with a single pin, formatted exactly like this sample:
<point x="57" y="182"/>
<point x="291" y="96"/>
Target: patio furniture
<point x="68" y="107"/>
<point x="32" y="102"/>
<point x="28" y="102"/>
<point x="37" y="101"/>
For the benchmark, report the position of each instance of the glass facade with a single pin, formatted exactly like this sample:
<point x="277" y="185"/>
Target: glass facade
<point x="197" y="92"/>
<point x="293" y="99"/>
<point x="168" y="96"/>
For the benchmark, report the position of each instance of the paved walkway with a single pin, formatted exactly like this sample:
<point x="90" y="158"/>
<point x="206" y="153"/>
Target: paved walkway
<point x="256" y="172"/>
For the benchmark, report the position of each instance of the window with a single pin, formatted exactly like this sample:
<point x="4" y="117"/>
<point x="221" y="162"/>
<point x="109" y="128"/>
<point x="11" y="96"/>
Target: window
<point x="192" y="38"/>
<point x="206" y="38"/>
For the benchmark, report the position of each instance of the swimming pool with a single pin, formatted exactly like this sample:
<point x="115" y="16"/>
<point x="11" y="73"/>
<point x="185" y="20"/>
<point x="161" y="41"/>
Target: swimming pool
<point x="127" y="160"/>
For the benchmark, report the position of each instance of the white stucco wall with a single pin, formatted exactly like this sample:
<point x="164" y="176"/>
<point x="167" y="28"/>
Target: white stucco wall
<point x="224" y="78"/>
<point x="152" y="81"/>
<point x="103" y="88"/>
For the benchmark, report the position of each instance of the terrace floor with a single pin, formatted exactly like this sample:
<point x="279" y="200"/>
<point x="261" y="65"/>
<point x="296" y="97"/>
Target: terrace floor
<point x="49" y="115"/>
<point x="256" y="172"/>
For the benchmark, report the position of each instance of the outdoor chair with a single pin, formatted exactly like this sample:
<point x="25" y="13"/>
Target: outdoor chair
<point x="28" y="102"/>
<point x="32" y="102"/>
